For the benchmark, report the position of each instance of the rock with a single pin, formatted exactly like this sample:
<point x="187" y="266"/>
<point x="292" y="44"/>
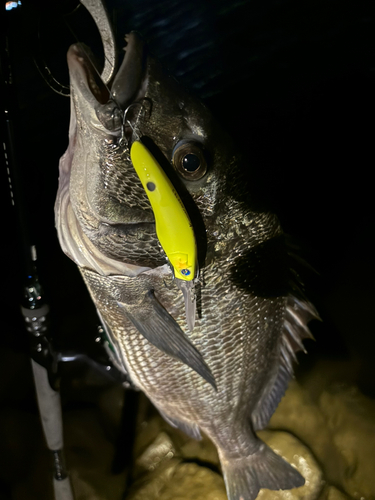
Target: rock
<point x="161" y="450"/>
<point x="89" y="459"/>
<point x="152" y="484"/>
<point x="194" y="482"/>
<point x="179" y="481"/>
<point x="171" y="479"/>
<point x="333" y="493"/>
<point x="298" y="414"/>
<point x="350" y="418"/>
<point x="337" y="423"/>
<point x="203" y="451"/>
<point x="298" y="455"/>
<point x="167" y="478"/>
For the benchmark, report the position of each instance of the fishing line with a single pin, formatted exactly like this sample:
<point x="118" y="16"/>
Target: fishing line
<point x="140" y="103"/>
<point x="61" y="89"/>
<point x="126" y="122"/>
<point x="44" y="70"/>
<point x="47" y="75"/>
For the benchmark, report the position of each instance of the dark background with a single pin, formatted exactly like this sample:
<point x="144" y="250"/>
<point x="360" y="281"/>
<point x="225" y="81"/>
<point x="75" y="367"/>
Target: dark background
<point x="292" y="81"/>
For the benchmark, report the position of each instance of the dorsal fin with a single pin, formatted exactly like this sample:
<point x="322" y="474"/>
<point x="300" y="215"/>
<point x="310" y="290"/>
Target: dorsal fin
<point x="298" y="313"/>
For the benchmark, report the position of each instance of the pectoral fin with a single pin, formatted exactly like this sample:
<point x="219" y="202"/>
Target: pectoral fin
<point x="161" y="330"/>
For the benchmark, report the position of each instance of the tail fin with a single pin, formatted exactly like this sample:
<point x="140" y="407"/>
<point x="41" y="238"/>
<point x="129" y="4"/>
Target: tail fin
<point x="264" y="469"/>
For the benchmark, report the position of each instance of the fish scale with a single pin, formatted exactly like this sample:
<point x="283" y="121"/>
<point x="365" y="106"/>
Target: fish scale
<point x="121" y="183"/>
<point x="125" y="247"/>
<point x="179" y="372"/>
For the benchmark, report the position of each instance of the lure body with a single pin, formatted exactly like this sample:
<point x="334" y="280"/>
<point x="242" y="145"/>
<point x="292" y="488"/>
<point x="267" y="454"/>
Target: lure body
<point x="172" y="223"/>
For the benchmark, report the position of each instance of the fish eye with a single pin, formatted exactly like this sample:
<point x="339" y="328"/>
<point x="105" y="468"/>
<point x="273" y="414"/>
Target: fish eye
<point x="189" y="160"/>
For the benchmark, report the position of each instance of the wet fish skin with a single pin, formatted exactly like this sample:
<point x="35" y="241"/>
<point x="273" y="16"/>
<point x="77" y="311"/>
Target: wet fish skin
<point x="251" y="322"/>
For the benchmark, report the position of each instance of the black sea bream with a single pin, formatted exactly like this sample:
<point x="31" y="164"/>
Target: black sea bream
<point x="226" y="376"/>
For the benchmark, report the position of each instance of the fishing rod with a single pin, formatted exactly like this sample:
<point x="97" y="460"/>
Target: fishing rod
<point x="34" y="306"/>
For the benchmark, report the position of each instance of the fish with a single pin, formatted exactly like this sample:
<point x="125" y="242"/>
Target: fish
<point x="225" y="375"/>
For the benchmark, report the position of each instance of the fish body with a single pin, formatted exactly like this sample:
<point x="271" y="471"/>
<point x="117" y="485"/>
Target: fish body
<point x="226" y="376"/>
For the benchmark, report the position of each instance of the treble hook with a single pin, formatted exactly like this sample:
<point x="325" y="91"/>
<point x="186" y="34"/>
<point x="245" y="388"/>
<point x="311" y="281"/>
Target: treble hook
<point x="126" y="122"/>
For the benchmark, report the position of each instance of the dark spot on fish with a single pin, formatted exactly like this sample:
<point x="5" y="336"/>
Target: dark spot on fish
<point x="263" y="270"/>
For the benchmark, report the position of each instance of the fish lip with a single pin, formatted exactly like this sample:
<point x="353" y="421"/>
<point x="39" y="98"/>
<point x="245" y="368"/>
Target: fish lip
<point x="84" y="76"/>
<point x="101" y="108"/>
<point x="110" y="102"/>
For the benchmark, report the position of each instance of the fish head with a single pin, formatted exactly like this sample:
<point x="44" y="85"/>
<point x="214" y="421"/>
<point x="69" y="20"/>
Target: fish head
<point x="144" y="101"/>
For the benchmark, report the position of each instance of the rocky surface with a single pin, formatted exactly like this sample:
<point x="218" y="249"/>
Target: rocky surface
<point x="325" y="429"/>
<point x="324" y="426"/>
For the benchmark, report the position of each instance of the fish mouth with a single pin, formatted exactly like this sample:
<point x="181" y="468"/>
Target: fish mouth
<point x="109" y="101"/>
<point x="103" y="106"/>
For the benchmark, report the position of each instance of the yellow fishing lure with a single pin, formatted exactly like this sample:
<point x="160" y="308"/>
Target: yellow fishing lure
<point x="173" y="226"/>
